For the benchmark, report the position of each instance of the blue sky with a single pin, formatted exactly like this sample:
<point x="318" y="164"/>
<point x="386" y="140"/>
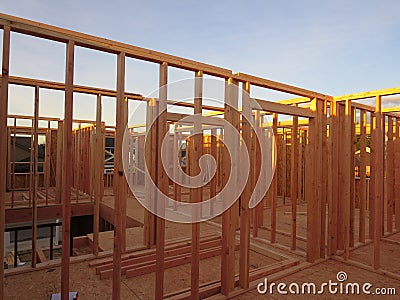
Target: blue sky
<point x="333" y="47"/>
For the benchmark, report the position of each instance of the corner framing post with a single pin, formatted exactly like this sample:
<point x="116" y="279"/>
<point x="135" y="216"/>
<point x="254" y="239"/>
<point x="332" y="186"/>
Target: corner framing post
<point x="120" y="184"/>
<point x="244" y="259"/>
<point x="3" y="137"/>
<point x="67" y="171"/>
<point x="313" y="182"/>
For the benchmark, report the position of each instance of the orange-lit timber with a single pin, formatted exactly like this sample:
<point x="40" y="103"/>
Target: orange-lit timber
<point x="335" y="182"/>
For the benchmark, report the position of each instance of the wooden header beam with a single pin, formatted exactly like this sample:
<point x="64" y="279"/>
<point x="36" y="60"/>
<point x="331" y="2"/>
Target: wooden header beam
<point x="92" y="42"/>
<point x="370" y="94"/>
<point x="282" y="87"/>
<point x="284" y="109"/>
<point x="53" y="85"/>
<point x="24" y="81"/>
<point x="391" y="109"/>
<point x="24" y="214"/>
<point x="296" y="100"/>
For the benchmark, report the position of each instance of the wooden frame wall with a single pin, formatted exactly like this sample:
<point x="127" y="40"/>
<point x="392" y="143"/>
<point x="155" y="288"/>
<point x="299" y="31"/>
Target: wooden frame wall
<point x="326" y="166"/>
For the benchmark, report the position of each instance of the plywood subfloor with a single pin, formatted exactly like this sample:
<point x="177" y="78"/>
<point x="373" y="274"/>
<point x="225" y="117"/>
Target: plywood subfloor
<point x="135" y="235"/>
<point x="390" y="255"/>
<point x="40" y="284"/>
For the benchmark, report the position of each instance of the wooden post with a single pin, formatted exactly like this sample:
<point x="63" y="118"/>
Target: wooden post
<point x="47" y="162"/>
<point x="313" y="165"/>
<point x="293" y="178"/>
<point x="332" y="228"/>
<point x="259" y="209"/>
<point x="3" y="137"/>
<point x="378" y="126"/>
<point x="196" y="195"/>
<point x="151" y="163"/>
<point x="119" y="179"/>
<point x="346" y="178"/>
<point x="352" y="177"/>
<point x="162" y="182"/>
<point x="255" y="159"/>
<point x="14" y="160"/>
<point x="125" y="181"/>
<point x="67" y="171"/>
<point x="244" y="259"/>
<point x="98" y="176"/>
<point x="9" y="165"/>
<point x="92" y="165"/>
<point x="323" y="175"/>
<point x="274" y="185"/>
<point x="372" y="176"/>
<point x="213" y="182"/>
<point x="284" y="164"/>
<point x="390" y="176"/>
<point x="229" y="217"/>
<point x="302" y="140"/>
<point x="79" y="155"/>
<point x="35" y="177"/>
<point x="59" y="162"/>
<point x="31" y="166"/>
<point x="363" y="178"/>
<point x="341" y="167"/>
<point x="397" y="174"/>
<point x="177" y="153"/>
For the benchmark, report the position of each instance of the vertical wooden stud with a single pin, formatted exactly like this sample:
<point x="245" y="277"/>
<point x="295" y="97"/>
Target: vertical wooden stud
<point x="162" y="182"/>
<point x="390" y="176"/>
<point x="196" y="194"/>
<point x="293" y="179"/>
<point x="3" y="137"/>
<point x="244" y="259"/>
<point x="98" y="176"/>
<point x="378" y="126"/>
<point x="397" y="174"/>
<point x="313" y="169"/>
<point x="229" y="217"/>
<point x="274" y="185"/>
<point x="67" y="172"/>
<point x="352" y="177"/>
<point x="362" y="171"/>
<point x="35" y="177"/>
<point x="346" y="178"/>
<point x="119" y="179"/>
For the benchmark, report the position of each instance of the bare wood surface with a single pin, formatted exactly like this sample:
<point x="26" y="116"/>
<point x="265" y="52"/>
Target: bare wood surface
<point x="67" y="172"/>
